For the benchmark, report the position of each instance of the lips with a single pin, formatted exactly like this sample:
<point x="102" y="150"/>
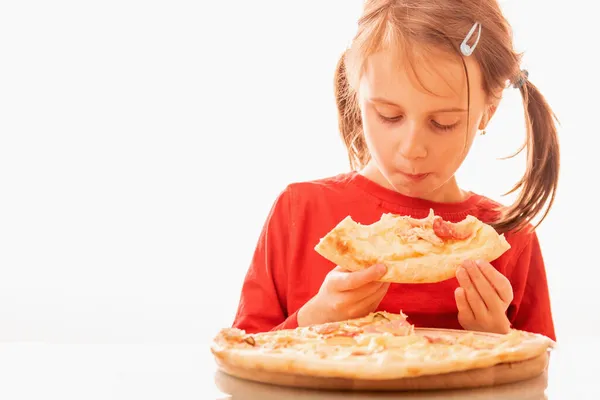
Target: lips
<point x="415" y="177"/>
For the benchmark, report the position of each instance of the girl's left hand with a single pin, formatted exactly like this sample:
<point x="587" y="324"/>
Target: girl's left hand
<point x="483" y="298"/>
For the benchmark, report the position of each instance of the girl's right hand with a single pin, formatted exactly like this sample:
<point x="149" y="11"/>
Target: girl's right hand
<point x="345" y="295"/>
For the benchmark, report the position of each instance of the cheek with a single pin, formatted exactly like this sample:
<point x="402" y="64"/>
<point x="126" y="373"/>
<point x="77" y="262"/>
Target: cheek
<point x="450" y="154"/>
<point x="379" y="140"/>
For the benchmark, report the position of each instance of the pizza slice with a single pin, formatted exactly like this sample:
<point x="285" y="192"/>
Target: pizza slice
<point x="414" y="250"/>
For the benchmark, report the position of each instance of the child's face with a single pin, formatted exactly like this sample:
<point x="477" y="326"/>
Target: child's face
<point x="417" y="134"/>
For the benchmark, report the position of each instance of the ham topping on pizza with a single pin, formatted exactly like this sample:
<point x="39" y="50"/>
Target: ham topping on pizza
<point x="449" y="231"/>
<point x="398" y="237"/>
<point x="327" y="328"/>
<point x="437" y="339"/>
<point x="435" y="230"/>
<point x="396" y="327"/>
<point x="377" y="322"/>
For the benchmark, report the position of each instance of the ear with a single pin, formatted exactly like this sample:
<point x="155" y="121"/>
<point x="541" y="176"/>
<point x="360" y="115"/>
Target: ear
<point x="487" y="115"/>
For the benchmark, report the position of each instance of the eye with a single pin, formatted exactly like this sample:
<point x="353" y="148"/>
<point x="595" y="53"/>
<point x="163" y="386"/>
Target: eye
<point x="389" y="119"/>
<point x="444" y="127"/>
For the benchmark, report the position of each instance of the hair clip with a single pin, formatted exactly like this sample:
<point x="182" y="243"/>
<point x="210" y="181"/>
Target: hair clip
<point x="465" y="49"/>
<point x="521" y="79"/>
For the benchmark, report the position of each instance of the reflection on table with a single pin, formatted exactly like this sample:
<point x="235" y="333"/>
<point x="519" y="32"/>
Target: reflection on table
<point x="239" y="389"/>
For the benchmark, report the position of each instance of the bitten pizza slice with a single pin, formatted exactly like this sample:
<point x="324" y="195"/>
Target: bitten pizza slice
<point x="414" y="250"/>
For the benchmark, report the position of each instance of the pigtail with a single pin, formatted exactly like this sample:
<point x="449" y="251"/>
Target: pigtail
<point x="540" y="180"/>
<point x="349" y="120"/>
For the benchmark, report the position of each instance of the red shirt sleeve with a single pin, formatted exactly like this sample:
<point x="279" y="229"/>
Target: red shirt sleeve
<point x="262" y="305"/>
<point x="531" y="310"/>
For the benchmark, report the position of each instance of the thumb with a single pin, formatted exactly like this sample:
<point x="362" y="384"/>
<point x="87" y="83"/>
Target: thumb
<point x="359" y="278"/>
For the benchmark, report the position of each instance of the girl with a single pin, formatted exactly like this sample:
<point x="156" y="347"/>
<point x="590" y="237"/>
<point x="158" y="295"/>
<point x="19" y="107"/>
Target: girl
<point x="420" y="79"/>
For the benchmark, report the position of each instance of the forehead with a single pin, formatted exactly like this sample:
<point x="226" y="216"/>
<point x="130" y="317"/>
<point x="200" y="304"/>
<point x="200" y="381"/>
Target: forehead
<point x="422" y="76"/>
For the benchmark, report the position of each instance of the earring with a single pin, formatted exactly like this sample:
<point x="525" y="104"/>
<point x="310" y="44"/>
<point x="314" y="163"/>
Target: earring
<point x="483" y="132"/>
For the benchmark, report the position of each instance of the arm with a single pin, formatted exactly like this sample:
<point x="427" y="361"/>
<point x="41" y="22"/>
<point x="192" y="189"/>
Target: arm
<point x="531" y="310"/>
<point x="262" y="305"/>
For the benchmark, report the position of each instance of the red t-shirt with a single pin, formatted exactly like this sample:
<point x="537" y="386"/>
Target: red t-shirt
<point x="286" y="271"/>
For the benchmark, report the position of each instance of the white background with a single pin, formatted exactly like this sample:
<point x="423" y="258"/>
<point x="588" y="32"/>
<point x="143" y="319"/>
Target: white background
<point x="143" y="143"/>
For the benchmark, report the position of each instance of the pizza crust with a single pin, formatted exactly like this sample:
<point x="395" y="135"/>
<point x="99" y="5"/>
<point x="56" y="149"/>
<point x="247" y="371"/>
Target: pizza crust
<point x="499" y="374"/>
<point x="354" y="247"/>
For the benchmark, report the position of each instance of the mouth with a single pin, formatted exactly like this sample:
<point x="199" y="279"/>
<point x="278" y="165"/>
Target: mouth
<point x="414" y="177"/>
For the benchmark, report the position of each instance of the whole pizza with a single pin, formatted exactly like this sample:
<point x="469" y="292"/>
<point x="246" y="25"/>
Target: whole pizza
<point x="380" y="346"/>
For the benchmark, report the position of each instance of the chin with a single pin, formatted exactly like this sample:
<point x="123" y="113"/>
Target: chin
<point x="410" y="189"/>
<point x="421" y="187"/>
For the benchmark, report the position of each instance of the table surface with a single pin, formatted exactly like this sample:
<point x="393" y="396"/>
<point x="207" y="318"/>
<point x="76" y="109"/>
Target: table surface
<point x="188" y="371"/>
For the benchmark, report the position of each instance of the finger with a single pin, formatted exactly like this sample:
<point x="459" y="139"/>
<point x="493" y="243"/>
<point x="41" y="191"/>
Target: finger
<point x="359" y="294"/>
<point x="464" y="309"/>
<point x="382" y="291"/>
<point x="472" y="295"/>
<point x="487" y="292"/>
<point x="353" y="280"/>
<point x="350" y="300"/>
<point x="500" y="283"/>
<point x="372" y="305"/>
<point x="372" y="301"/>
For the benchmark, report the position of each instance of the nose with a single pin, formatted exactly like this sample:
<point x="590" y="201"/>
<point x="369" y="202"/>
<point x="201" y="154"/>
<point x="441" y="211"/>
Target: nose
<point x="412" y="144"/>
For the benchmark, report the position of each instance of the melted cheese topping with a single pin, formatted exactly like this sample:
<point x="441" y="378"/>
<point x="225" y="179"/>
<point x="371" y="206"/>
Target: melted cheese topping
<point x="372" y="345"/>
<point x="396" y="237"/>
<point x="380" y="347"/>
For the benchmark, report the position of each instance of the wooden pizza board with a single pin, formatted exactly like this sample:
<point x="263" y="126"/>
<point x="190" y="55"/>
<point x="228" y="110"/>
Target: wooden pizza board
<point x="480" y="377"/>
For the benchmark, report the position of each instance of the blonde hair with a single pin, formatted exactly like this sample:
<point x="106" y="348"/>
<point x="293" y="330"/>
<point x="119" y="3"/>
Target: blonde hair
<point x="443" y="24"/>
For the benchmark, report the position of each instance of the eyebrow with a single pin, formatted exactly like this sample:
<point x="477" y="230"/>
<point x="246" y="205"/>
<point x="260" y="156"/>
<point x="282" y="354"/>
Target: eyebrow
<point x="391" y="103"/>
